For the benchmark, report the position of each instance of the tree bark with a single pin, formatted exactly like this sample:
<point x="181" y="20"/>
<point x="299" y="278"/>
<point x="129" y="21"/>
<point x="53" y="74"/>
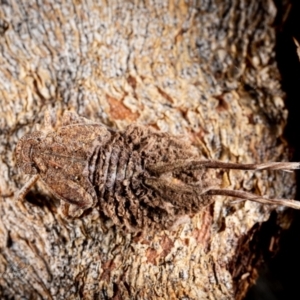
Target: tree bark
<point x="204" y="69"/>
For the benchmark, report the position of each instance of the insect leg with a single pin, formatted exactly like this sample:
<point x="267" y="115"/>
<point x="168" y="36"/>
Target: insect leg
<point x="195" y="164"/>
<point x="161" y="184"/>
<point x="253" y="197"/>
<point x="28" y="185"/>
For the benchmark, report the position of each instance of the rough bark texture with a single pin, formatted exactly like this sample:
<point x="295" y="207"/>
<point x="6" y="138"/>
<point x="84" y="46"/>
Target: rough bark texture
<point x="204" y="69"/>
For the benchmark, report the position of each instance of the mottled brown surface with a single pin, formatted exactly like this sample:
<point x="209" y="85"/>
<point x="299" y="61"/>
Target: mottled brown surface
<point x="205" y="70"/>
<point x="85" y="165"/>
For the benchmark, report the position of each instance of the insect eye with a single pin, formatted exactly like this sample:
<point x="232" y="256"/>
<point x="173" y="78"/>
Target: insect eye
<point x="26" y="152"/>
<point x="30" y="168"/>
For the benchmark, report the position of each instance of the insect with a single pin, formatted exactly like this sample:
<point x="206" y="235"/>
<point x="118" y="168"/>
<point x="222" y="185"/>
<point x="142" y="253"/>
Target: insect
<point x="138" y="177"/>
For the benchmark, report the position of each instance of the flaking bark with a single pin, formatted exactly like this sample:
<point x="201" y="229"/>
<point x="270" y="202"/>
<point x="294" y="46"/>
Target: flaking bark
<point x="204" y="70"/>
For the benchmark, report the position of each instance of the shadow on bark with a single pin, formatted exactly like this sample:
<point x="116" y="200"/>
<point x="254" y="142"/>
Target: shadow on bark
<point x="279" y="278"/>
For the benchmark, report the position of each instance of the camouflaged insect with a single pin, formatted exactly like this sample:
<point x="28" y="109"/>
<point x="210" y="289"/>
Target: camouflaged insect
<point x="139" y="178"/>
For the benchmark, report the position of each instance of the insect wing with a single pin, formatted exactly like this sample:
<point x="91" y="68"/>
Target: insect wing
<point x="83" y="133"/>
